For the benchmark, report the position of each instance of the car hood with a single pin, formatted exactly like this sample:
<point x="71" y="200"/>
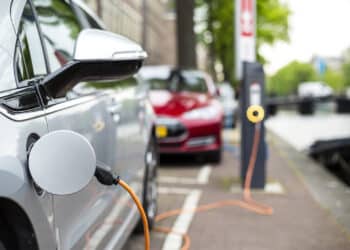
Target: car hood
<point x="174" y="104"/>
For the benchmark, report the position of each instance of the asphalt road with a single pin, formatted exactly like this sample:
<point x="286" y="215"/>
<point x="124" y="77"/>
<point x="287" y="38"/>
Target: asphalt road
<point x="298" y="191"/>
<point x="181" y="180"/>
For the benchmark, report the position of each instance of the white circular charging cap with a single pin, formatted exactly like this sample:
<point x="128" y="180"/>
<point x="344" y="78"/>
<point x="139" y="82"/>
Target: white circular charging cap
<point x="62" y="162"/>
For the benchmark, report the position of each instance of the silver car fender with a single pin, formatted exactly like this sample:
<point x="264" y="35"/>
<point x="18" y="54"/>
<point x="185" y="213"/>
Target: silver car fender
<point x="20" y="191"/>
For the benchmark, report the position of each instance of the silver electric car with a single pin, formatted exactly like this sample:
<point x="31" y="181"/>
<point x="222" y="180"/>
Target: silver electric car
<point x="60" y="82"/>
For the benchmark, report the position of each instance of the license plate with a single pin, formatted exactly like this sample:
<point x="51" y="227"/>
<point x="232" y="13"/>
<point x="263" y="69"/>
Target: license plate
<point x="161" y="131"/>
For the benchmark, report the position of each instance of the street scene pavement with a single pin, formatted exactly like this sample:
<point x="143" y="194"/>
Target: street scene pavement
<point x="310" y="205"/>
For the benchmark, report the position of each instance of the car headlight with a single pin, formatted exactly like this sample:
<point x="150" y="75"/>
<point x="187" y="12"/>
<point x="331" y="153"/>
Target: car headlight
<point x="206" y="113"/>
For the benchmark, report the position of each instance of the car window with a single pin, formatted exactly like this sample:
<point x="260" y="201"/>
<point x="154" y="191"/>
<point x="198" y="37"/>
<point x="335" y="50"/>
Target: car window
<point x="158" y="84"/>
<point x="29" y="60"/>
<point x="178" y="82"/>
<point x="192" y="83"/>
<point x="89" y="21"/>
<point x="60" y="29"/>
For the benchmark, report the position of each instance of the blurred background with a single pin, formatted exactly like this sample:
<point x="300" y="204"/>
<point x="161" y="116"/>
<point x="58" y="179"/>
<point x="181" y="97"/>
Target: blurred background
<point x="304" y="47"/>
<point x="296" y="41"/>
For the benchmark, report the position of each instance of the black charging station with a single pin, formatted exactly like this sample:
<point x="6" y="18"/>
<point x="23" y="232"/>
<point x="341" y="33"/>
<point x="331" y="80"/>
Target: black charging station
<point x="252" y="92"/>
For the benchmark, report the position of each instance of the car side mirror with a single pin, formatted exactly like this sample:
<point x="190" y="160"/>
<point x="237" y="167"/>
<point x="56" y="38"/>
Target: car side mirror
<point x="62" y="162"/>
<point x="99" y="55"/>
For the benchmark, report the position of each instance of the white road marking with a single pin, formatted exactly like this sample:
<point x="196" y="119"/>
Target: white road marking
<point x="274" y="188"/>
<point x="201" y="179"/>
<point x="270" y="188"/>
<point x="204" y="174"/>
<point x="182" y="223"/>
<point x="174" y="190"/>
<point x="177" y="180"/>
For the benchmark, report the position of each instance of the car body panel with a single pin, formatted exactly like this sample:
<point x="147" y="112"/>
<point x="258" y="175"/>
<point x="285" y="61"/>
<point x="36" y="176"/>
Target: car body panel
<point x="176" y="104"/>
<point x="229" y="104"/>
<point x="16" y="132"/>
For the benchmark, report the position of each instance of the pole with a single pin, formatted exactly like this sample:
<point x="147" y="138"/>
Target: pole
<point x="144" y="24"/>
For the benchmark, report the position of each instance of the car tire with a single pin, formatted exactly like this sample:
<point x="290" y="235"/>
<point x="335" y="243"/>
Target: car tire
<point x="150" y="189"/>
<point x="234" y="121"/>
<point x="215" y="156"/>
<point x="7" y="239"/>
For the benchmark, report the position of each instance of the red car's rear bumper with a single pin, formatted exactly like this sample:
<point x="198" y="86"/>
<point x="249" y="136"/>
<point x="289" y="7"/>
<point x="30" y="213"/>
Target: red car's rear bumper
<point x="197" y="136"/>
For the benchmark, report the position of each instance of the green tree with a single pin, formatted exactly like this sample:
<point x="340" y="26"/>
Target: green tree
<point x="217" y="30"/>
<point x="287" y="79"/>
<point x="346" y="74"/>
<point x="335" y="79"/>
<point x="346" y="68"/>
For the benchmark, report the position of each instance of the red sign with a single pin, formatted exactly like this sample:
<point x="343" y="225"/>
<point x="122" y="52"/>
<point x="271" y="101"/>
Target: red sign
<point x="247" y="18"/>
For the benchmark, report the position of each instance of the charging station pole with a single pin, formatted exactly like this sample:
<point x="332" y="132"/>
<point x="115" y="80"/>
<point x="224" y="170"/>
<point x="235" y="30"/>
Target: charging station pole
<point x="252" y="93"/>
<point x="252" y="88"/>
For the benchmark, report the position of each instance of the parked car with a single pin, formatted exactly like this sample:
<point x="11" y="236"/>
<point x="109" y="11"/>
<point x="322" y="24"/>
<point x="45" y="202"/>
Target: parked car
<point x="49" y="82"/>
<point x="314" y="89"/>
<point x="229" y="104"/>
<point x="189" y="113"/>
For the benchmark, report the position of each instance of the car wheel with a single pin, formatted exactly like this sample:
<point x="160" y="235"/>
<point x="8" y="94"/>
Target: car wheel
<point x="234" y="121"/>
<point x="150" y="190"/>
<point x="7" y="240"/>
<point x="215" y="156"/>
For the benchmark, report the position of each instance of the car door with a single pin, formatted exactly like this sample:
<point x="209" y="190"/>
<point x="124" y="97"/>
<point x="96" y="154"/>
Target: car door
<point x="78" y="216"/>
<point x="129" y="100"/>
<point x="129" y="104"/>
<point x="22" y="117"/>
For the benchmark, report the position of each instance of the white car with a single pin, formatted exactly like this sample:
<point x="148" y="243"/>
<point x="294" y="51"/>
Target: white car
<point x="229" y="104"/>
<point x="314" y="89"/>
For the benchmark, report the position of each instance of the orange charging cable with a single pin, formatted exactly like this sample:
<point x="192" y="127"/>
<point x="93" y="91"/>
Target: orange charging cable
<point x="141" y="211"/>
<point x="247" y="202"/>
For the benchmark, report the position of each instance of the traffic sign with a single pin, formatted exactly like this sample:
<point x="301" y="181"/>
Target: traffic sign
<point x="245" y="36"/>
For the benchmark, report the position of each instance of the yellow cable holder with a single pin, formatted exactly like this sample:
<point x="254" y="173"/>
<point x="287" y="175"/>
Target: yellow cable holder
<point x="255" y="113"/>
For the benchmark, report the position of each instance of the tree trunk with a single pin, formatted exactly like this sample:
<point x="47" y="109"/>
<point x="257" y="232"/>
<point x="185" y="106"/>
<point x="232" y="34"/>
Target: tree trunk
<point x="99" y="8"/>
<point x="212" y="53"/>
<point x="186" y="40"/>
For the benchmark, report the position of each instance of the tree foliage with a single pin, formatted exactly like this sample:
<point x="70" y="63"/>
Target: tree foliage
<point x="217" y="30"/>
<point x="287" y="79"/>
<point x="346" y="68"/>
<point x="334" y="79"/>
<point x="272" y="23"/>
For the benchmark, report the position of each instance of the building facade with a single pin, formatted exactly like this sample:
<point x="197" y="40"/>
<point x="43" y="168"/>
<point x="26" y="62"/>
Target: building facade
<point x="148" y="22"/>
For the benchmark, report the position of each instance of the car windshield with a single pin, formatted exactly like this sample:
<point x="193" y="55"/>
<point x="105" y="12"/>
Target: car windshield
<point x="185" y="81"/>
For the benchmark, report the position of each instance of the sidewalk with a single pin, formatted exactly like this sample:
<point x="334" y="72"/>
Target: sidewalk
<point x="299" y="222"/>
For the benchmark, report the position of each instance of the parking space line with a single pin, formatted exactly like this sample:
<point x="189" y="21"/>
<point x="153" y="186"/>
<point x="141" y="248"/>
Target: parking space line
<point x="182" y="223"/>
<point x="177" y="180"/>
<point x="201" y="179"/>
<point x="204" y="174"/>
<point x="174" y="190"/>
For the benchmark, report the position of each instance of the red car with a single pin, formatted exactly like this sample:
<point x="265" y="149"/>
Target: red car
<point x="189" y="116"/>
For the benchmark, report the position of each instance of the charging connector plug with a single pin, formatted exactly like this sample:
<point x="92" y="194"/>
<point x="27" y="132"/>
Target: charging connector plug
<point x="105" y="177"/>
